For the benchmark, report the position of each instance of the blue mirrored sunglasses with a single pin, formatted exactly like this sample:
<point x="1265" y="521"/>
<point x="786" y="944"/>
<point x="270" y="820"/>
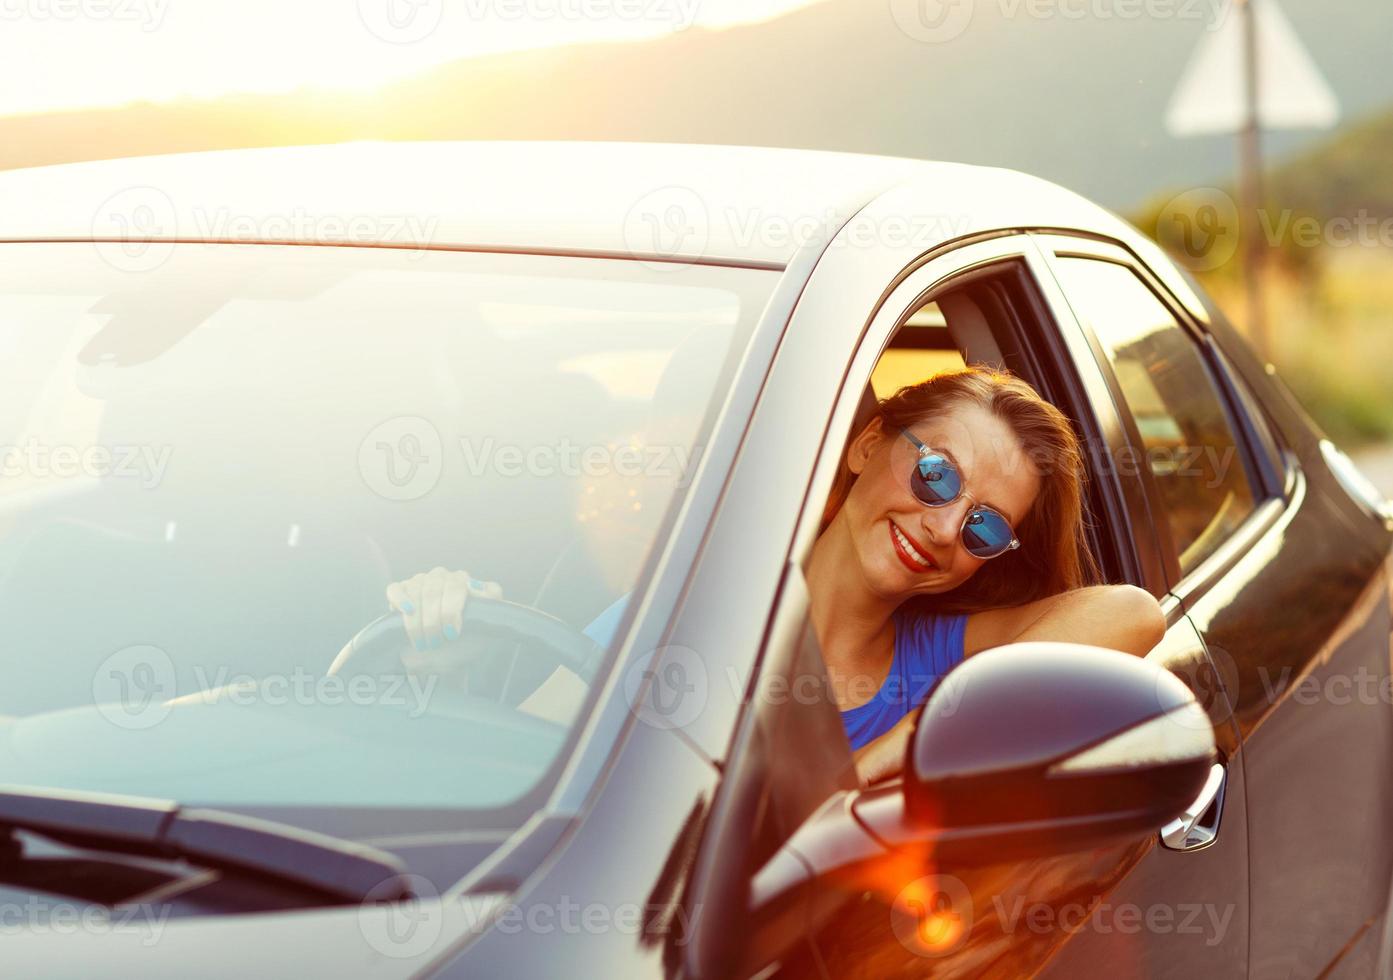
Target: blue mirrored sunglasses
<point x="936" y="482"/>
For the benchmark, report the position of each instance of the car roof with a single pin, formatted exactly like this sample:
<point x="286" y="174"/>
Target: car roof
<point x="724" y="204"/>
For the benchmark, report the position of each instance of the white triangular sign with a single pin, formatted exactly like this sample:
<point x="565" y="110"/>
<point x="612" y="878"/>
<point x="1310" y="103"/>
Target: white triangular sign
<point x="1292" y="93"/>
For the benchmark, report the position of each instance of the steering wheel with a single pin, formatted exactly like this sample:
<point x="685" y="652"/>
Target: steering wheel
<point x="377" y="648"/>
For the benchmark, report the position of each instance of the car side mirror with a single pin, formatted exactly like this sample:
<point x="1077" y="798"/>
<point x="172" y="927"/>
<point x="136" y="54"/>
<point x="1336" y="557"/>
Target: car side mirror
<point x="1042" y="748"/>
<point x="1029" y="750"/>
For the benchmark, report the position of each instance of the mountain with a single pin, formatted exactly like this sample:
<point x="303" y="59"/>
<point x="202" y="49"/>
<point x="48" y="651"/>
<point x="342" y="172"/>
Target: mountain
<point x="1027" y="84"/>
<point x="1344" y="177"/>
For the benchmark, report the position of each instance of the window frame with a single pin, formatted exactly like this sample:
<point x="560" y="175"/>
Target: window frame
<point x="1058" y="363"/>
<point x="1066" y="380"/>
<point x="1283" y="456"/>
<point x="1272" y="489"/>
<point x="1274" y="459"/>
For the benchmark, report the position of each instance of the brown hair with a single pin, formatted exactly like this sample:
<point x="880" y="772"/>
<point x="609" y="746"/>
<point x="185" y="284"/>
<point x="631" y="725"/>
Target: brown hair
<point x="1054" y="556"/>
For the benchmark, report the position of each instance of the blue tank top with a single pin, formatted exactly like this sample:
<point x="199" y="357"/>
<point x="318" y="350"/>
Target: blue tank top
<point x="926" y="648"/>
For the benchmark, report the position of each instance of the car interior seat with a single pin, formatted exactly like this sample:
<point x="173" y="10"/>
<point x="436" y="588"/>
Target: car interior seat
<point x="971" y="332"/>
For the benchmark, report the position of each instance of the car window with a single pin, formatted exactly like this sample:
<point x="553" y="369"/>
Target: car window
<point x="921" y="348"/>
<point x="1261" y="434"/>
<point x="212" y="470"/>
<point x="1187" y="439"/>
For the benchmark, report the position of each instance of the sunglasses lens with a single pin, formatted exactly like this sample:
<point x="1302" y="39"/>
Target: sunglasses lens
<point x="986" y="534"/>
<point x="935" y="481"/>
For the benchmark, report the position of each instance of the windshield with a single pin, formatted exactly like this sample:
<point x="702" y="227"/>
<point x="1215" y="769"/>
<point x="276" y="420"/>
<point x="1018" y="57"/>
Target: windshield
<point x="214" y="468"/>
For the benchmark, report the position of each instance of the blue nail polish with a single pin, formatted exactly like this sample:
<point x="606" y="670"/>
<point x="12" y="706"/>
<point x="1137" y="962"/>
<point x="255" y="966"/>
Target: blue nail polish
<point x="474" y="583"/>
<point x="420" y="645"/>
<point x="408" y="606"/>
<point x="435" y="642"/>
<point x="451" y="633"/>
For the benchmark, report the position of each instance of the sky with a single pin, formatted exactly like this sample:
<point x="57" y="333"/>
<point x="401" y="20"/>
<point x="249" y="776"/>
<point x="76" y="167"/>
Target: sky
<point x="70" y="54"/>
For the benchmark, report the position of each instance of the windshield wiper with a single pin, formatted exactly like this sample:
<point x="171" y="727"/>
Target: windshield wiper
<point x="210" y="838"/>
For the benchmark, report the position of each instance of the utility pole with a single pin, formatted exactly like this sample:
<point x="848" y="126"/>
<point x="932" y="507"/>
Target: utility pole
<point x="1249" y="75"/>
<point x="1250" y="186"/>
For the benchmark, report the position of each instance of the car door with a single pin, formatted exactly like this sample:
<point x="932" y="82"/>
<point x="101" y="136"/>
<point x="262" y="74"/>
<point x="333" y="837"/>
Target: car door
<point x="1009" y="919"/>
<point x="1282" y="578"/>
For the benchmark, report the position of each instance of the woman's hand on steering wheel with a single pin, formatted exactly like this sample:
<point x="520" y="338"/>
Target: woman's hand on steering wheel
<point x="431" y="604"/>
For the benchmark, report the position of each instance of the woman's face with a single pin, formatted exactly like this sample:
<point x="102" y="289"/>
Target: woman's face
<point x="995" y="470"/>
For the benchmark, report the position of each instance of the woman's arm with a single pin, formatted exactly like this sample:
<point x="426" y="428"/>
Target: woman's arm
<point x="881" y="758"/>
<point x="1119" y="617"/>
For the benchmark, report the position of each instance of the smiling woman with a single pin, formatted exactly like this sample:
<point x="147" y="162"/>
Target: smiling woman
<point x="955" y="525"/>
<point x="1014" y="452"/>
